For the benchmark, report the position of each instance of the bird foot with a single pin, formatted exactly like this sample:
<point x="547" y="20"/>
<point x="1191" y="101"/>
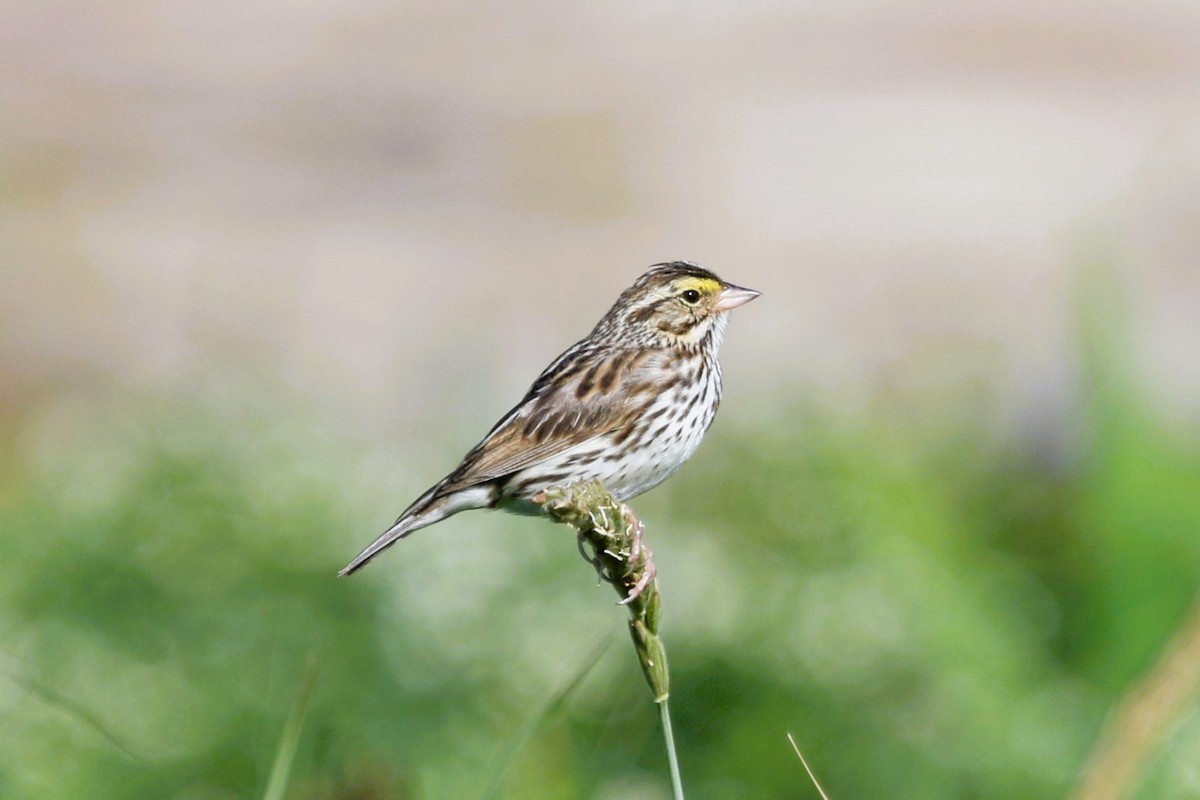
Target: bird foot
<point x="580" y="540"/>
<point x="648" y="576"/>
<point x="628" y="564"/>
<point x="640" y="560"/>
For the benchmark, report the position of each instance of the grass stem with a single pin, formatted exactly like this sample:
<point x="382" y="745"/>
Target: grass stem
<point x="664" y="714"/>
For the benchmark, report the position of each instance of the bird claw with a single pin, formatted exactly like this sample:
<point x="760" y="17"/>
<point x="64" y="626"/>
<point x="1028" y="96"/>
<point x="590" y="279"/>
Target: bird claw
<point x="640" y="560"/>
<point x="633" y="557"/>
<point x="593" y="560"/>
<point x="648" y="576"/>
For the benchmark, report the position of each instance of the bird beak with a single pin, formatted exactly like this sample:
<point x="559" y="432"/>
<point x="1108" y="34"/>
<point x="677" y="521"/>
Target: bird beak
<point x="733" y="296"/>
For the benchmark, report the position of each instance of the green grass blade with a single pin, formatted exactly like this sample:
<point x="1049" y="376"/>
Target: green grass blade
<point x="521" y="738"/>
<point x="281" y="769"/>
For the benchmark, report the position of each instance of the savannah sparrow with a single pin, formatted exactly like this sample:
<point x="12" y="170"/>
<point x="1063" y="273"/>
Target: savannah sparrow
<point x="627" y="406"/>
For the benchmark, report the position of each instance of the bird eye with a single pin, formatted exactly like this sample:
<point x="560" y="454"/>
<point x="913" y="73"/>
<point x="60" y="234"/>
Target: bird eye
<point x="691" y="297"/>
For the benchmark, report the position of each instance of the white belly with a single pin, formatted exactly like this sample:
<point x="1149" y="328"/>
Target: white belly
<point x="646" y="459"/>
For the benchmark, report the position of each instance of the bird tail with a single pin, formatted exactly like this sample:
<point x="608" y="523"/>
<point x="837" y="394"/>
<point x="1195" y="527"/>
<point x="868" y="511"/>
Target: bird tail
<point x="429" y="508"/>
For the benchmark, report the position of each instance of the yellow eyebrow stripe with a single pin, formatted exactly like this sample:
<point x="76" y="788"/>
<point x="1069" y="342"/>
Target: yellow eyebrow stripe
<point x="704" y="285"/>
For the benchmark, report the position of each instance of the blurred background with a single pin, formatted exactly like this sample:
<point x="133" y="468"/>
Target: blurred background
<point x="268" y="269"/>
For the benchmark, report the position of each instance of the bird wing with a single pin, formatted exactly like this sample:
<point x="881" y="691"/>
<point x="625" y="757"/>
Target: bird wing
<point x="587" y="392"/>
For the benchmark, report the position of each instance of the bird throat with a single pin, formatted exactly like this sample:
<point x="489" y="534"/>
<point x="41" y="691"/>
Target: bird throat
<point x="692" y="332"/>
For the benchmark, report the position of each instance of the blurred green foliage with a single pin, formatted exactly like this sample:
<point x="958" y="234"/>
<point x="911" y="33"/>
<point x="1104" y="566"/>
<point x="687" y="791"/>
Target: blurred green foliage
<point x="933" y="610"/>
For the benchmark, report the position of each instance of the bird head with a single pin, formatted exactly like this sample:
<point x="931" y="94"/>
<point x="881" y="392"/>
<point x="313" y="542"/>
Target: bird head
<point x="676" y="303"/>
